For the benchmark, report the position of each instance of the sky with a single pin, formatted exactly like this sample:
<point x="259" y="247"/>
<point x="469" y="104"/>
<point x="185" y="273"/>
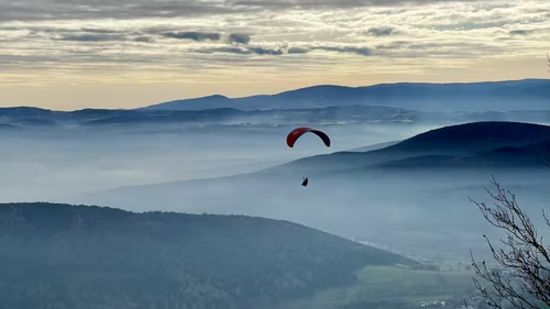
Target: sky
<point x="72" y="54"/>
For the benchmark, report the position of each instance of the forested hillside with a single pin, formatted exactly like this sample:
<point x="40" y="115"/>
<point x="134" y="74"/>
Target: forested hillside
<point x="61" y="256"/>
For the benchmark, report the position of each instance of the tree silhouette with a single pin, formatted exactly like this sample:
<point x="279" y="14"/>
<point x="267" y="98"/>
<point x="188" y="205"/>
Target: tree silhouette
<point x="523" y="280"/>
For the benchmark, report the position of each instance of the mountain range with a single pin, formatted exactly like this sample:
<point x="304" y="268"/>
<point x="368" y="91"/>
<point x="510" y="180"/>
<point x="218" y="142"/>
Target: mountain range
<point x="528" y="94"/>
<point x="28" y="118"/>
<point x="523" y="100"/>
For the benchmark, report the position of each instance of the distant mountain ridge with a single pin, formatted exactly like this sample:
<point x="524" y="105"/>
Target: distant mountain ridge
<point x="26" y="117"/>
<point x="523" y="101"/>
<point x="498" y="96"/>
<point x="34" y="117"/>
<point x="528" y="94"/>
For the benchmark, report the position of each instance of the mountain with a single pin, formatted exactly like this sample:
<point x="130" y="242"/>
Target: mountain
<point x="533" y="155"/>
<point x="90" y="119"/>
<point x="475" y="136"/>
<point x="63" y="256"/>
<point x="29" y="118"/>
<point x="528" y="94"/>
<point x="327" y="115"/>
<point x="478" y="143"/>
<point x="208" y="102"/>
<point x="523" y="100"/>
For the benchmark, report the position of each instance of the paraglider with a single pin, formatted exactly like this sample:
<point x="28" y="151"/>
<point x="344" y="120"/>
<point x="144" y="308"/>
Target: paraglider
<point x="295" y="134"/>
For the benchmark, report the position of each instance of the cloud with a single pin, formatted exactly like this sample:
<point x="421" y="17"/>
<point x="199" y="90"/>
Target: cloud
<point x="216" y="36"/>
<point x="267" y="51"/>
<point x="144" y="39"/>
<point x="381" y="31"/>
<point x="131" y="9"/>
<point x="100" y="30"/>
<point x="282" y="50"/>
<point x="122" y="9"/>
<point x="520" y="32"/>
<point x="224" y="50"/>
<point x="232" y="38"/>
<point x="86" y="37"/>
<point x="243" y="50"/>
<point x="298" y="50"/>
<point x="328" y="4"/>
<point x="239" y="38"/>
<point x="362" y="51"/>
<point x="193" y="35"/>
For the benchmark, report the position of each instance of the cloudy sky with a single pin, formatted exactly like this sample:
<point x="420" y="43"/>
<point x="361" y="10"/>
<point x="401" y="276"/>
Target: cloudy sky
<point x="70" y="54"/>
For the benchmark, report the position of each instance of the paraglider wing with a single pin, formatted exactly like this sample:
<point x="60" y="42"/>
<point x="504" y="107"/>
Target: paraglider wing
<point x="305" y="182"/>
<point x="295" y="134"/>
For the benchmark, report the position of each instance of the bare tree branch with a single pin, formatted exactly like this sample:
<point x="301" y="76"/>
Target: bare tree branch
<point x="523" y="280"/>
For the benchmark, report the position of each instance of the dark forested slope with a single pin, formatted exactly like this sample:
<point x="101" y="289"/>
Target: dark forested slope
<point x="61" y="256"/>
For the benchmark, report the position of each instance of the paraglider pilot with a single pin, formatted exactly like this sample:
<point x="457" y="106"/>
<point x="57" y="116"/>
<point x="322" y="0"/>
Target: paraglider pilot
<point x="295" y="134"/>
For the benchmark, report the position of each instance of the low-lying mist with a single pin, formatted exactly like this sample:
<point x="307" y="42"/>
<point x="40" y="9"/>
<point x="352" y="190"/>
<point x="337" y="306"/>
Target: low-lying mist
<point x="420" y="212"/>
<point x="54" y="163"/>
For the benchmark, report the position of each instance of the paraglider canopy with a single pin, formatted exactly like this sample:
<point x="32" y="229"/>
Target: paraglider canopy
<point x="295" y="134"/>
<point x="305" y="182"/>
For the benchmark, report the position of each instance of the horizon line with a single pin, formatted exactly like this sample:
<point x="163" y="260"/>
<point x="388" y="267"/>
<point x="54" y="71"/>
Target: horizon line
<point x="276" y="93"/>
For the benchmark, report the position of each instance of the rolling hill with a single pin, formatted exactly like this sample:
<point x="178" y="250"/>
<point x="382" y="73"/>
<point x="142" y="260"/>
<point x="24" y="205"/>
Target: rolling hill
<point x="63" y="256"/>
<point x="467" y="145"/>
<point x="472" y="137"/>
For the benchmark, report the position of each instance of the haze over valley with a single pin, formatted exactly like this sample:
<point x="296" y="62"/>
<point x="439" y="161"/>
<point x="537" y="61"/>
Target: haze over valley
<point x="85" y="156"/>
<point x="394" y="186"/>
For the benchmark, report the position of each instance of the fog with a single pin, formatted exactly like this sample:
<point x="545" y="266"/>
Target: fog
<point x="54" y="164"/>
<point x="418" y="213"/>
<point x="423" y="213"/>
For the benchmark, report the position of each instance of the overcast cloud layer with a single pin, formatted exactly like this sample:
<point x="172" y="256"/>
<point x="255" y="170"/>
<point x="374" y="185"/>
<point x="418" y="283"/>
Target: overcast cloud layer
<point x="71" y="54"/>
